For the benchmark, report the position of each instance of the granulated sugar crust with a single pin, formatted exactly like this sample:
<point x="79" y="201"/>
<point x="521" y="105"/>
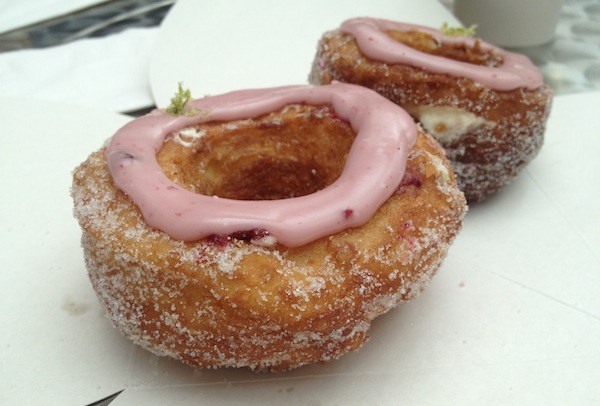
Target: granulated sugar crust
<point x="223" y="302"/>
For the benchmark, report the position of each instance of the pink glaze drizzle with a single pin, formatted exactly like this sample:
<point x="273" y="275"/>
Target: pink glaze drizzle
<point x="373" y="170"/>
<point x="516" y="70"/>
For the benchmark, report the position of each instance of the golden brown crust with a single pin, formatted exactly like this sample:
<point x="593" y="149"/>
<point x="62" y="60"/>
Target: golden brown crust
<point x="487" y="156"/>
<point x="424" y="42"/>
<point x="224" y="302"/>
<point x="269" y="169"/>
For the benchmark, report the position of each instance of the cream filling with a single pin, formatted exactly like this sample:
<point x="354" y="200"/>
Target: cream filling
<point x="187" y="136"/>
<point x="447" y="124"/>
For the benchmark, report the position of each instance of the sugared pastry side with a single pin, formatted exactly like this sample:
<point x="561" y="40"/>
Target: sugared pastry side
<point x="305" y="213"/>
<point x="486" y="106"/>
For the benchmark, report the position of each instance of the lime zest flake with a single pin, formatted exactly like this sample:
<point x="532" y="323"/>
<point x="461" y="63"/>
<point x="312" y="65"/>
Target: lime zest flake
<point x="458" y="31"/>
<point x="179" y="102"/>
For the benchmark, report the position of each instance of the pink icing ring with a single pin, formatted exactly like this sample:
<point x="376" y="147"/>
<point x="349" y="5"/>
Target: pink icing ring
<point x="373" y="170"/>
<point x="370" y="34"/>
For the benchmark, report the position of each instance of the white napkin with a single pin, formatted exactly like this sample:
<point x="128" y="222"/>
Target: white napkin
<point x="110" y="73"/>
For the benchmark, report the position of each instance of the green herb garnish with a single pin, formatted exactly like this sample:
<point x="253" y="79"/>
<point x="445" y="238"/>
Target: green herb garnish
<point x="458" y="31"/>
<point x="178" y="102"/>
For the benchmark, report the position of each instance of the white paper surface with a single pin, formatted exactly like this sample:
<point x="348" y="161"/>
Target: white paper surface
<point x="513" y="317"/>
<point x="17" y="14"/>
<point x="108" y="73"/>
<point x="229" y="45"/>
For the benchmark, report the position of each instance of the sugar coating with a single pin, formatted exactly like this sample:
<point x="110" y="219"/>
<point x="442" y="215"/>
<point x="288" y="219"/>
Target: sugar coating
<point x="231" y="303"/>
<point x="504" y="133"/>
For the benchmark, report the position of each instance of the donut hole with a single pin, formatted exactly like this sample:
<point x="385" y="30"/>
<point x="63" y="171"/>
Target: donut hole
<point x="461" y="52"/>
<point x="293" y="152"/>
